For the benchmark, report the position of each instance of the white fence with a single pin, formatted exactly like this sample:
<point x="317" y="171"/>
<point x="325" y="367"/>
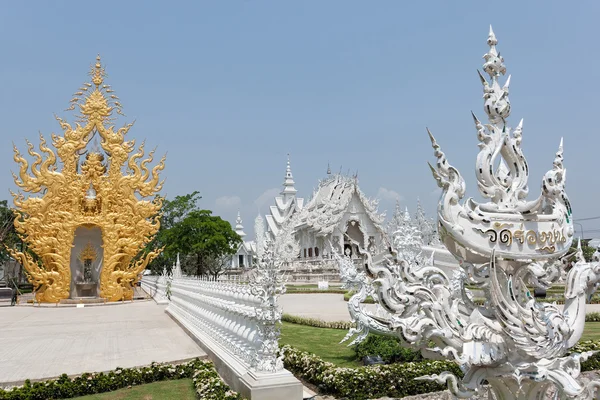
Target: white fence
<point x="236" y="323"/>
<point x="225" y="311"/>
<point x="156" y="286"/>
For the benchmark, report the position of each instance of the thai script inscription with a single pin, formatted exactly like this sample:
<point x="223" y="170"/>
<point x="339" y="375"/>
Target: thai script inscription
<point x="501" y="233"/>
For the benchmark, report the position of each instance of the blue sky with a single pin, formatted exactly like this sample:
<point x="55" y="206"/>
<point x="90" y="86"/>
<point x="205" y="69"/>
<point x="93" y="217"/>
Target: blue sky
<point x="228" y="88"/>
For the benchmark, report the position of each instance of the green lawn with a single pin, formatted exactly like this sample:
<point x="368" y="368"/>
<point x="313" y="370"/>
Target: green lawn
<point x="179" y="389"/>
<point x="323" y="342"/>
<point x="591" y="331"/>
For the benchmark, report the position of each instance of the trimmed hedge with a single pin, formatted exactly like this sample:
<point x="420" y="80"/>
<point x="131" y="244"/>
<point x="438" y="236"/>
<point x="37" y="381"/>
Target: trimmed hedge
<point x="317" y="323"/>
<point x="292" y="290"/>
<point x="207" y="383"/>
<point x="393" y="380"/>
<point x="592" y="317"/>
<point x="388" y="348"/>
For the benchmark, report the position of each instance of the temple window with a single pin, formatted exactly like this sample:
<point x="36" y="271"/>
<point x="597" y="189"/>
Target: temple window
<point x="316" y="252"/>
<point x="304" y="253"/>
<point x="310" y="253"/>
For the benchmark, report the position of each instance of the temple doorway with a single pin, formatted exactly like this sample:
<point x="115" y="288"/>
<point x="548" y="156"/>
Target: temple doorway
<point x="86" y="262"/>
<point x="353" y="233"/>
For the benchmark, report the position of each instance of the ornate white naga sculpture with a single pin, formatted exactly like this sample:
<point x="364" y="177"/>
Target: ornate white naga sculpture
<point x="516" y="346"/>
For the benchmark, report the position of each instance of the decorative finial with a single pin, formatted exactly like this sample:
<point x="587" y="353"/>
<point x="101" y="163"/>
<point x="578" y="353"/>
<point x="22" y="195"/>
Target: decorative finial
<point x="328" y="169"/>
<point x="97" y="73"/>
<point x="288" y="169"/>
<point x="288" y="183"/>
<point x="494" y="63"/>
<point x="492" y="41"/>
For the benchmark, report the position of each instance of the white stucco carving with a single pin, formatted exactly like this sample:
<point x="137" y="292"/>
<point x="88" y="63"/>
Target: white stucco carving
<point x="518" y="346"/>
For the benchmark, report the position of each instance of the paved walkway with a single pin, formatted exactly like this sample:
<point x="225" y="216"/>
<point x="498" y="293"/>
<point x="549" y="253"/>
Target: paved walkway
<point x="332" y="307"/>
<point x="326" y="306"/>
<point x="44" y="342"/>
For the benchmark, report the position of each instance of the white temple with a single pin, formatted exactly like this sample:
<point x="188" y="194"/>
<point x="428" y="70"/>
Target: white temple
<point x="338" y="213"/>
<point x="243" y="258"/>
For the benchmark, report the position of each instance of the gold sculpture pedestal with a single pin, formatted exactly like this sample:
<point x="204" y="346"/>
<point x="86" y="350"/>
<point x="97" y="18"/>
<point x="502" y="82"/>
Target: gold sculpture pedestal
<point x="86" y="289"/>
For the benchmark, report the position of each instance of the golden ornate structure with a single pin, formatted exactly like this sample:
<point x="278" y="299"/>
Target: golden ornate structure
<point x="88" y="253"/>
<point x="98" y="191"/>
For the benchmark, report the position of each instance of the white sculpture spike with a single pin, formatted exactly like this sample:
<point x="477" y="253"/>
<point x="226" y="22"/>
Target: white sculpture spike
<point x="519" y="346"/>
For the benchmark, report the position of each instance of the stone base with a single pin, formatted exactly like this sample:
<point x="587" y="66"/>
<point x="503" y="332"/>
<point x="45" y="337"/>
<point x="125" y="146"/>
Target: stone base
<point x="250" y="384"/>
<point x="83" y="300"/>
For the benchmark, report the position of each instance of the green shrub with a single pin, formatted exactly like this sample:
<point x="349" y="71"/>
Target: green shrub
<point x="207" y="383"/>
<point x="593" y="362"/>
<point x="393" y="380"/>
<point x="295" y="290"/>
<point x="592" y="317"/>
<point x="387" y="347"/>
<point x="317" y="323"/>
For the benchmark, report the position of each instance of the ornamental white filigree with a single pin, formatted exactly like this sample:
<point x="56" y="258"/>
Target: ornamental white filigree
<point x="518" y="347"/>
<point x="426" y="226"/>
<point x="267" y="284"/>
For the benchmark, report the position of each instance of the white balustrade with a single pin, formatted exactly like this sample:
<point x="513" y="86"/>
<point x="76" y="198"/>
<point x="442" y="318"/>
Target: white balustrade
<point x="157" y="286"/>
<point x="236" y="321"/>
<point x="223" y="310"/>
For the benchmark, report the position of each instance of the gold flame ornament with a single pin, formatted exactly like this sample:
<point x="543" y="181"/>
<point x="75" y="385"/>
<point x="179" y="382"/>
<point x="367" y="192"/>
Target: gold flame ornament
<point x="88" y="253"/>
<point x="105" y="188"/>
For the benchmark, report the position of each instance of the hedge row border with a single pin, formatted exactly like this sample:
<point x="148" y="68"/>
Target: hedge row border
<point x="208" y="385"/>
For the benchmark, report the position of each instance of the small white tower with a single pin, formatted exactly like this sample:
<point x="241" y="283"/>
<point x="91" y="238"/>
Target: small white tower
<point x="288" y="184"/>
<point x="239" y="228"/>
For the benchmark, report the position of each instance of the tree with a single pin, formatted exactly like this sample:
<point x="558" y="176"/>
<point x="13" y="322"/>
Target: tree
<point x="173" y="212"/>
<point x="8" y="238"/>
<point x="204" y="238"/>
<point x="8" y="234"/>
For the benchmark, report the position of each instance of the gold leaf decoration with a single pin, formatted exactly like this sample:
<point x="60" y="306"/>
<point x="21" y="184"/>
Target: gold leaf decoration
<point x="93" y="192"/>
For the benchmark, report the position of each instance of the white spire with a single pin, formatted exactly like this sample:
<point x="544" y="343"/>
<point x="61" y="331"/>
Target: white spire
<point x="239" y="228"/>
<point x="406" y="215"/>
<point x="288" y="184"/>
<point x="177" y="273"/>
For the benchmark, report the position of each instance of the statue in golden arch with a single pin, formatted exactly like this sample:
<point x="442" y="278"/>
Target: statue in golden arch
<point x="105" y="193"/>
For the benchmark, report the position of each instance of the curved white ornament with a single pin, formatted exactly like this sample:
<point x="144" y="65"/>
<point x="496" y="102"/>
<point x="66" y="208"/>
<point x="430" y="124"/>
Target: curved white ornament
<point x="515" y="345"/>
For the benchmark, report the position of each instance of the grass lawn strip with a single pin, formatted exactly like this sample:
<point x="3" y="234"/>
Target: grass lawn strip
<point x="324" y="342"/>
<point x="180" y="389"/>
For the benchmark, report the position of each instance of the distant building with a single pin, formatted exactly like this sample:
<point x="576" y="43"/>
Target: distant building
<point x="244" y="257"/>
<point x="338" y="213"/>
<point x="341" y="215"/>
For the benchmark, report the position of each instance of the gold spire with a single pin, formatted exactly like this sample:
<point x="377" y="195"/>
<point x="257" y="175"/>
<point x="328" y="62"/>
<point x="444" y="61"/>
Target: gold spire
<point x="97" y="73"/>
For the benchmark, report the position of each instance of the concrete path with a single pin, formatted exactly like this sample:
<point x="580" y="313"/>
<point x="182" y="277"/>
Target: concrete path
<point x="44" y="342"/>
<point x="326" y="306"/>
<point x="332" y="307"/>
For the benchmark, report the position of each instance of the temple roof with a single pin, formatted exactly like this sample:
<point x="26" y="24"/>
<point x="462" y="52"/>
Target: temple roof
<point x="330" y="202"/>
